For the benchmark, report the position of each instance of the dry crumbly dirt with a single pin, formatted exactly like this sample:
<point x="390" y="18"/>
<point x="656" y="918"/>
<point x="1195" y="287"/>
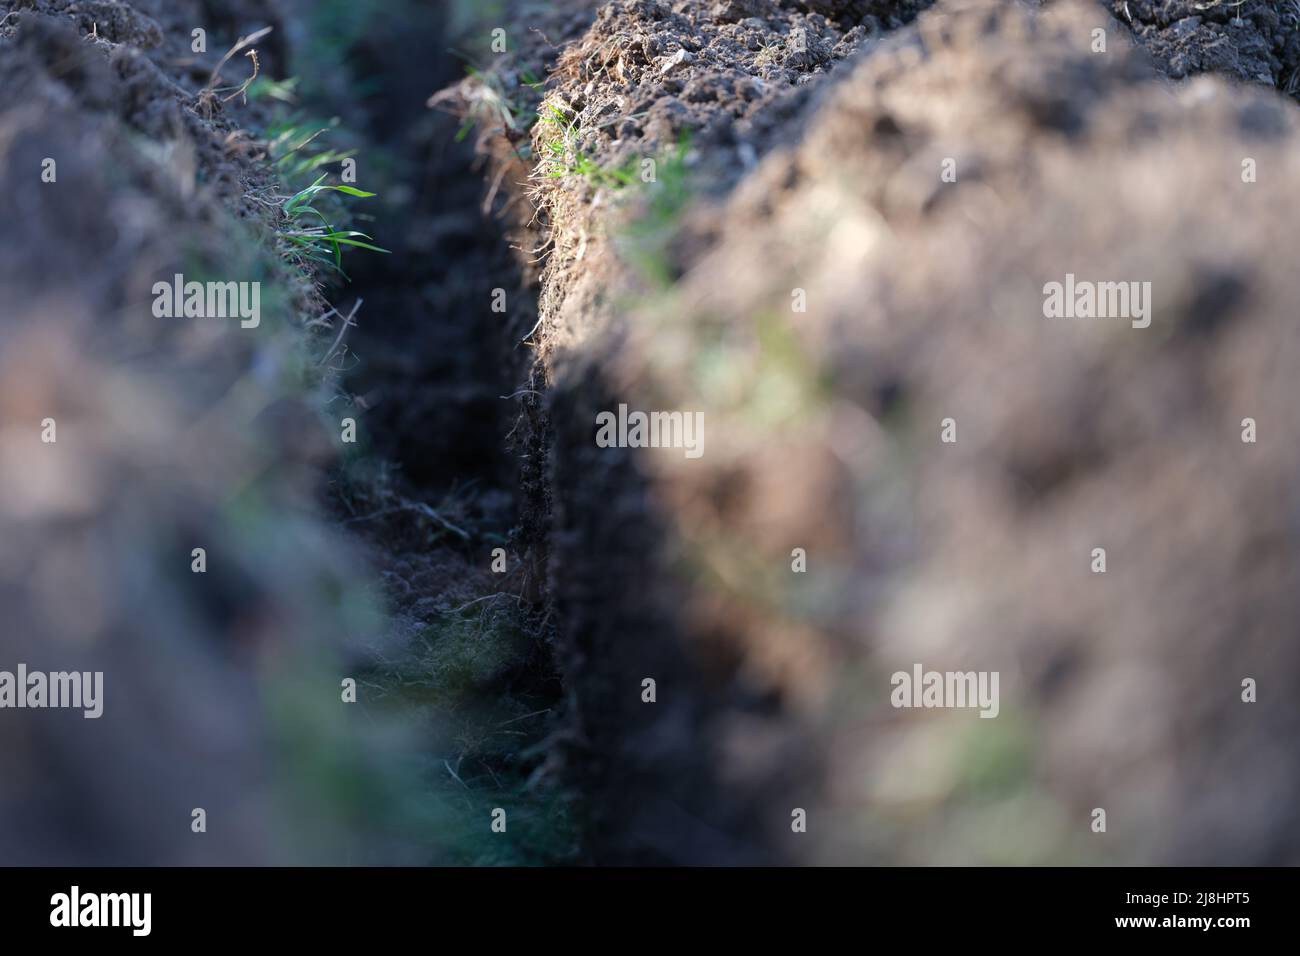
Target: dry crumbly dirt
<point x="925" y="302"/>
<point x="1253" y="40"/>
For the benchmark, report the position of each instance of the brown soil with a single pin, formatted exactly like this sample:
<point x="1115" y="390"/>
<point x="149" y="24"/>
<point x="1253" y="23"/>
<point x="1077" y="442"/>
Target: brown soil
<point x="1252" y="41"/>
<point x="224" y="688"/>
<point x="797" y="151"/>
<point x="171" y="435"/>
<point x="1120" y="691"/>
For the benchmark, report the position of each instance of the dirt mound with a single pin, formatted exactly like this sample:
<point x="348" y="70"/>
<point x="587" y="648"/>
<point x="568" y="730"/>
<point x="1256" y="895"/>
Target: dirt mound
<point x="779" y="276"/>
<point x="1077" y="435"/>
<point x="128" y="440"/>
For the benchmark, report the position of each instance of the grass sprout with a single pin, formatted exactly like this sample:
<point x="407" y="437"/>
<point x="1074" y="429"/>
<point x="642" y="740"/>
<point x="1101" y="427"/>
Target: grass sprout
<point x="562" y="155"/>
<point x="323" y="243"/>
<point x="291" y="147"/>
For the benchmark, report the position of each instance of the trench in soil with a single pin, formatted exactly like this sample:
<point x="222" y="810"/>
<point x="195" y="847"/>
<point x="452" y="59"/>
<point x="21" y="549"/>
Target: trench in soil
<point x="433" y="492"/>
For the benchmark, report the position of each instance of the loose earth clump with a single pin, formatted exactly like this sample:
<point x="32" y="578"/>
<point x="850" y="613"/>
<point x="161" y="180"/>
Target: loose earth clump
<point x="1253" y="41"/>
